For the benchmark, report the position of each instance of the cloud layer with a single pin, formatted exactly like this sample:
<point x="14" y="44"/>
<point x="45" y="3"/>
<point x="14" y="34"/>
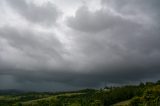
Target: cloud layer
<point x="45" y="14"/>
<point x="46" y="47"/>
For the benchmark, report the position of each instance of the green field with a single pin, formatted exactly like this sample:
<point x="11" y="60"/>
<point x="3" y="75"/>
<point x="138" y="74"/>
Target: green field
<point x="123" y="103"/>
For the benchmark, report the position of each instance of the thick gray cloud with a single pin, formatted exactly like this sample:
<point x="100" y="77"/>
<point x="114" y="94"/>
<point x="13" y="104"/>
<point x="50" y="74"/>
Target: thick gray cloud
<point x="94" y="21"/>
<point x="121" y="39"/>
<point x="29" y="48"/>
<point x="45" y="14"/>
<point x="115" y="44"/>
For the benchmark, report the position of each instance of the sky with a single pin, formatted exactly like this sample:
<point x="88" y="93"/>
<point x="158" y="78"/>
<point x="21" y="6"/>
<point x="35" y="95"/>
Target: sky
<point x="55" y="45"/>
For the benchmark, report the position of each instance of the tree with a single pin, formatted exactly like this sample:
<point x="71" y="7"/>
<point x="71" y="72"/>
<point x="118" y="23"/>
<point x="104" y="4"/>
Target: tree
<point x="158" y="82"/>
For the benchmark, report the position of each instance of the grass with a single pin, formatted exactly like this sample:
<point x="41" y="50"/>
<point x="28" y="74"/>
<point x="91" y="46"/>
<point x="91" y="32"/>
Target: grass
<point x="53" y="98"/>
<point x="123" y="103"/>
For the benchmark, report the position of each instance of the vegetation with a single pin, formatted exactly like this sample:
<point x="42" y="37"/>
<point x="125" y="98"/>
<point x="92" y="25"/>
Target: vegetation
<point x="147" y="94"/>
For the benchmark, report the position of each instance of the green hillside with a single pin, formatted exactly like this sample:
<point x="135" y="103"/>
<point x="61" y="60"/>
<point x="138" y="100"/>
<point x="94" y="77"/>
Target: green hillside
<point x="147" y="94"/>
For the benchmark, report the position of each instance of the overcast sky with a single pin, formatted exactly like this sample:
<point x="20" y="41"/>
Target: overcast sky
<point x="49" y="45"/>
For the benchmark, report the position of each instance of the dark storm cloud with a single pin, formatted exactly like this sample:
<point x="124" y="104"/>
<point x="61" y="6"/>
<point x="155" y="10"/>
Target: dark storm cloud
<point x="121" y="39"/>
<point x="72" y="80"/>
<point x="116" y="44"/>
<point x="94" y="21"/>
<point x="45" y="14"/>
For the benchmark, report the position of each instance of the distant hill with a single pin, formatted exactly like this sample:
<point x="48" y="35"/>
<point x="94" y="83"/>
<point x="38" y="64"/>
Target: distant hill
<point x="11" y="91"/>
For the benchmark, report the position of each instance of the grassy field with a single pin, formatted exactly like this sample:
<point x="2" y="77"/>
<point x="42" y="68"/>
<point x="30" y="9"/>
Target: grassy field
<point x="42" y="99"/>
<point x="123" y="103"/>
<point x="52" y="98"/>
